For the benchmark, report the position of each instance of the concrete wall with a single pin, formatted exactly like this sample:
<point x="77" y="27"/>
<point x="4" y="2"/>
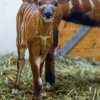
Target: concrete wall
<point x="8" y="11"/>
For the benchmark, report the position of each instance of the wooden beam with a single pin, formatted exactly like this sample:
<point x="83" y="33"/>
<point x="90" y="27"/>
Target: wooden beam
<point x="69" y="45"/>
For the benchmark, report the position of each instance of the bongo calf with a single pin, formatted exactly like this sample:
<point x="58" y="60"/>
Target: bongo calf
<point x="35" y="32"/>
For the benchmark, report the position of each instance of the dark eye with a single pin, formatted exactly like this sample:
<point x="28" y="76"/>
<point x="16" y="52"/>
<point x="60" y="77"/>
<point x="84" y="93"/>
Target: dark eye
<point x="40" y="3"/>
<point x="56" y="4"/>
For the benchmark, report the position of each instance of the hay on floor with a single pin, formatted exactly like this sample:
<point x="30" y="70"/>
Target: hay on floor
<point x="76" y="79"/>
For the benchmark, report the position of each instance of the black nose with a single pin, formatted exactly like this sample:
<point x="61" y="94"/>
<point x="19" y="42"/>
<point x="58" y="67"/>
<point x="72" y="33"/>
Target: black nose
<point x="48" y="15"/>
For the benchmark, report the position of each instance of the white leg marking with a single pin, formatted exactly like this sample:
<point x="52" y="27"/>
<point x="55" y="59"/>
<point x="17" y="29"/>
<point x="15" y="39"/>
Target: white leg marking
<point x="91" y="3"/>
<point x="40" y="81"/>
<point x="43" y="94"/>
<point x="15" y="91"/>
<point x="48" y="86"/>
<point x="70" y="5"/>
<point x="80" y="2"/>
<point x="55" y="51"/>
<point x="38" y="62"/>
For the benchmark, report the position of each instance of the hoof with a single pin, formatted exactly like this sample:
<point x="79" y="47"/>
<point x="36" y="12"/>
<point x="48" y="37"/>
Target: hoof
<point x="48" y="86"/>
<point x="43" y="94"/>
<point x="15" y="91"/>
<point x="44" y="82"/>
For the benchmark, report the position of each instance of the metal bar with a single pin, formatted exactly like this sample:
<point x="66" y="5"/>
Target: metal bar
<point x="69" y="45"/>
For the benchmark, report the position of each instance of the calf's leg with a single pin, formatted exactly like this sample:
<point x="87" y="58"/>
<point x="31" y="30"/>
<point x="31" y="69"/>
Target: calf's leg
<point x="36" y="78"/>
<point x="41" y="68"/>
<point x="20" y="65"/>
<point x="50" y="61"/>
<point x="50" y="71"/>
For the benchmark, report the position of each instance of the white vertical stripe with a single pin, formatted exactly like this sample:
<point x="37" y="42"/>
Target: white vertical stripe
<point x="23" y="5"/>
<point x="80" y="2"/>
<point x="91" y="2"/>
<point x="27" y="8"/>
<point x="99" y="0"/>
<point x="30" y="19"/>
<point x="70" y="4"/>
<point x="27" y="11"/>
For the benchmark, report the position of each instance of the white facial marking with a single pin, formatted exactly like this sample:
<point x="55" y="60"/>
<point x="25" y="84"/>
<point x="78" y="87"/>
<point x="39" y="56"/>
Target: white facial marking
<point x="40" y="81"/>
<point x="91" y="3"/>
<point x="38" y="62"/>
<point x="80" y="2"/>
<point x="99" y="0"/>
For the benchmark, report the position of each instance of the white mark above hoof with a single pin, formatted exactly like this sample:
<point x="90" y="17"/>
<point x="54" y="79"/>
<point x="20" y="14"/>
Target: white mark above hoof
<point x="15" y="91"/>
<point x="48" y="86"/>
<point x="43" y="94"/>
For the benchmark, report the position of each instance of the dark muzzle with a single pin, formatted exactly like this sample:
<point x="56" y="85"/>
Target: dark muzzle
<point x="48" y="15"/>
<point x="48" y="12"/>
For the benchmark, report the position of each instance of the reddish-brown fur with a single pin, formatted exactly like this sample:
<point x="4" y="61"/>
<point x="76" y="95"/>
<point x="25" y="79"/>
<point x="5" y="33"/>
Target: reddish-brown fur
<point x="36" y="35"/>
<point x="86" y="15"/>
